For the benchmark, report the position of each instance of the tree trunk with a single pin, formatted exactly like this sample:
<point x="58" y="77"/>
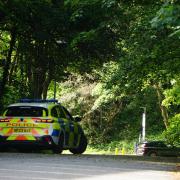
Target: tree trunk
<point x="37" y="70"/>
<point x="7" y="66"/>
<point x="29" y="73"/>
<point x="49" y="78"/>
<point x="12" y="69"/>
<point x="45" y="86"/>
<point x="38" y="82"/>
<point x="164" y="112"/>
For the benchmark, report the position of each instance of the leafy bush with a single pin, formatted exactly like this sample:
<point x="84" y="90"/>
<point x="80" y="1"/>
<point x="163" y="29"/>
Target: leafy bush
<point x="110" y="148"/>
<point x="172" y="134"/>
<point x="172" y="102"/>
<point x="11" y="96"/>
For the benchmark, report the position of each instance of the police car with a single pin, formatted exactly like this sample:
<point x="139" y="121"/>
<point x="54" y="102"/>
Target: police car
<point x="41" y="123"/>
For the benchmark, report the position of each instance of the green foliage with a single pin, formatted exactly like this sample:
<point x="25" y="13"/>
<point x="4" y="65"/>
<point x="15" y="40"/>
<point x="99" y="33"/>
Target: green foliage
<point x="172" y="96"/>
<point x="109" y="58"/>
<point x="110" y="148"/>
<point x="4" y="43"/>
<point x="51" y="36"/>
<point x="11" y="95"/>
<point x="168" y="17"/>
<point x="107" y="114"/>
<point x="103" y="95"/>
<point x="172" y="134"/>
<point x="172" y="102"/>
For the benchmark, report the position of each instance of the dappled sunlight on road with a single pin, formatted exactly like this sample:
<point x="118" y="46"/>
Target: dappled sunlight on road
<point x="129" y="175"/>
<point x="38" y="166"/>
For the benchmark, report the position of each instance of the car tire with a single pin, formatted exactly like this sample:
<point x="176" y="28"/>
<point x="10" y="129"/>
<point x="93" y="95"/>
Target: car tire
<point x="152" y="154"/>
<point x="82" y="146"/>
<point x="57" y="149"/>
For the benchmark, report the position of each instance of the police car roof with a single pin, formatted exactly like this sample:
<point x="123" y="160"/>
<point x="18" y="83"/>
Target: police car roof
<point x="38" y="101"/>
<point x="44" y="105"/>
<point x="35" y="103"/>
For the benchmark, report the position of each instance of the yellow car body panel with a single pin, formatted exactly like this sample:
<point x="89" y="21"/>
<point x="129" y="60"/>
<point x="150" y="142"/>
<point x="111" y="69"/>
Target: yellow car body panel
<point x="46" y="127"/>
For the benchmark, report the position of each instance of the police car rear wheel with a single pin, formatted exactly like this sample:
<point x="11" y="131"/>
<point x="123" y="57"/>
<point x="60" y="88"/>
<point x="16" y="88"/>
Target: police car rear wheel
<point x="82" y="146"/>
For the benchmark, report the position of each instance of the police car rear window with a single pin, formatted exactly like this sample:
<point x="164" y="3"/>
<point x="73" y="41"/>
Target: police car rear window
<point x="27" y="111"/>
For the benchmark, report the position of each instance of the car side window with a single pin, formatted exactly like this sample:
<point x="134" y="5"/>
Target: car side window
<point x="162" y="145"/>
<point x="68" y="115"/>
<point x="54" y="112"/>
<point x="61" y="112"/>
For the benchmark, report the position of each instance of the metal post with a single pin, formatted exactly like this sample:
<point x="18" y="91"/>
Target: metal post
<point x="54" y="89"/>
<point x="144" y="124"/>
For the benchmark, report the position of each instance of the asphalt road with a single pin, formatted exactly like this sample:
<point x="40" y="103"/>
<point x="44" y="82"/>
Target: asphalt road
<point x="38" y="166"/>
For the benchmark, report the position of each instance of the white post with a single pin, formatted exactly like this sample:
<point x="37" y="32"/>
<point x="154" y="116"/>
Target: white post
<point x="144" y="124"/>
<point x="54" y="89"/>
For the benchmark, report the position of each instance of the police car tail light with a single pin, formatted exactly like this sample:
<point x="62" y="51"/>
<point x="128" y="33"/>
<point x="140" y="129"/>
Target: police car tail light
<point x="44" y="120"/>
<point x="4" y="120"/>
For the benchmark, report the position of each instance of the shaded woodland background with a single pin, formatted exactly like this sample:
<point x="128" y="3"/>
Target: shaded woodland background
<point x="109" y="58"/>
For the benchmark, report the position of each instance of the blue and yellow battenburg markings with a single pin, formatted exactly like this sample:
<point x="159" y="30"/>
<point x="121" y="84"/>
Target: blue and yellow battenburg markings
<point x="28" y="129"/>
<point x="55" y="132"/>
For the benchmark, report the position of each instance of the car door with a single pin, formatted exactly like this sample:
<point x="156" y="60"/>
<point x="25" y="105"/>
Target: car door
<point x="64" y="124"/>
<point x="73" y="129"/>
<point x="56" y="127"/>
<point x="171" y="151"/>
<point x="164" y="150"/>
